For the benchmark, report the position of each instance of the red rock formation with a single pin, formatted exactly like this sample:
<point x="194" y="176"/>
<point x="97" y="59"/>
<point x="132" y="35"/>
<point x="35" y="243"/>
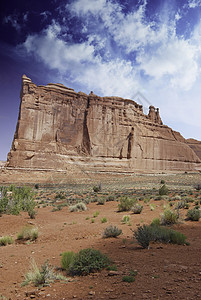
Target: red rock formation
<point x="57" y="127"/>
<point x="195" y="145"/>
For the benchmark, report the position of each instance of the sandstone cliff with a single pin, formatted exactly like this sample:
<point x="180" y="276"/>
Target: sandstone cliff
<point x="58" y="127"/>
<point x="195" y="145"/>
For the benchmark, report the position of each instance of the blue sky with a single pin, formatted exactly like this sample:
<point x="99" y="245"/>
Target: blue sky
<point x="111" y="47"/>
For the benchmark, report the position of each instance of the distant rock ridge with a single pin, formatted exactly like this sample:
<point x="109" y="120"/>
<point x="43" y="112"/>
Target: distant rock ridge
<point x="58" y="127"/>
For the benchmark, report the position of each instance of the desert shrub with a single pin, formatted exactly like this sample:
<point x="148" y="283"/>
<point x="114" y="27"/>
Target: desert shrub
<point x="32" y="213"/>
<point x="112" y="268"/>
<point x="78" y="207"/>
<point x="145" y="234"/>
<point x="6" y="240"/>
<point x="158" y="198"/>
<point x="163" y="190"/>
<point x="97" y="188"/>
<point x="162" y="197"/>
<point x="56" y="208"/>
<point x="28" y="233"/>
<point x="193" y="214"/>
<point x="67" y="260"/>
<point x="128" y="278"/>
<point x="169" y="217"/>
<point x="155" y="221"/>
<point x="177" y="197"/>
<point x="16" y="199"/>
<point x="166" y="235"/>
<point x="125" y="219"/>
<point x="142" y="235"/>
<point x="36" y="186"/>
<point x="111" y="231"/>
<point x="162" y="181"/>
<point x="180" y="204"/>
<point x="103" y="220"/>
<point x="60" y="195"/>
<point x="147" y="200"/>
<point x="189" y="199"/>
<point x="88" y="261"/>
<point x="101" y="201"/>
<point x="198" y="187"/>
<point x="137" y="208"/>
<point x="177" y="237"/>
<point x="41" y="276"/>
<point x="186" y="206"/>
<point x="126" y="203"/>
<point x="152" y="207"/>
<point x="96" y="214"/>
<point x="110" y="198"/>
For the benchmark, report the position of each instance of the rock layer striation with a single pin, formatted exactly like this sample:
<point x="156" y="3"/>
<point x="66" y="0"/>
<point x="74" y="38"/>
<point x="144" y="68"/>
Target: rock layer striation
<point x="58" y="127"/>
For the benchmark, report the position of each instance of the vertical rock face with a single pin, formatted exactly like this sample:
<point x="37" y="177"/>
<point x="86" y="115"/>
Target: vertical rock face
<point x="195" y="145"/>
<point x="57" y="126"/>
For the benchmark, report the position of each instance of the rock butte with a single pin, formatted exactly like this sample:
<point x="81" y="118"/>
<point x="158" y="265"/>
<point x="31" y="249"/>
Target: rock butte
<point x="58" y="127"/>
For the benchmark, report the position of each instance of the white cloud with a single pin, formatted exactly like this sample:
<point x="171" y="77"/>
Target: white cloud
<point x="194" y="3"/>
<point x="116" y="77"/>
<point x="56" y="53"/>
<point x="158" y="51"/>
<point x="81" y="7"/>
<point x="175" y="58"/>
<point x="13" y="20"/>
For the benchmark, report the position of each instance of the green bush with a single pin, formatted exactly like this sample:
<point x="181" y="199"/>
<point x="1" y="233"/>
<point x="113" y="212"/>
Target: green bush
<point x="110" y="198"/>
<point x="162" y="181"/>
<point x="28" y="233"/>
<point x="145" y="234"/>
<point x="101" y="201"/>
<point x="198" y="187"/>
<point x="103" y="220"/>
<point x="169" y="217"/>
<point x="156" y="221"/>
<point x="78" y="207"/>
<point x="177" y="197"/>
<point x="112" y="268"/>
<point x="32" y="213"/>
<point x="125" y="219"/>
<point x="128" y="278"/>
<point x="60" y="195"/>
<point x="97" y="188"/>
<point x="180" y="204"/>
<point x="166" y="235"/>
<point x="67" y="260"/>
<point x="88" y="261"/>
<point x="177" y="238"/>
<point x="96" y="214"/>
<point x="163" y="190"/>
<point x="111" y="231"/>
<point x="142" y="235"/>
<point x="126" y="203"/>
<point x="193" y="214"/>
<point x="137" y="208"/>
<point x="6" y="240"/>
<point x="16" y="199"/>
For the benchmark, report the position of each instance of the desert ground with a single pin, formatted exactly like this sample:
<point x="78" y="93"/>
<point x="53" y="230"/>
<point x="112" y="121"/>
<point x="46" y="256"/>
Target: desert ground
<point x="164" y="271"/>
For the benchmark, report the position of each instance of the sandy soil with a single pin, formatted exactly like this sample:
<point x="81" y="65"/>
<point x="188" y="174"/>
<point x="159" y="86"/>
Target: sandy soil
<point x="164" y="271"/>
